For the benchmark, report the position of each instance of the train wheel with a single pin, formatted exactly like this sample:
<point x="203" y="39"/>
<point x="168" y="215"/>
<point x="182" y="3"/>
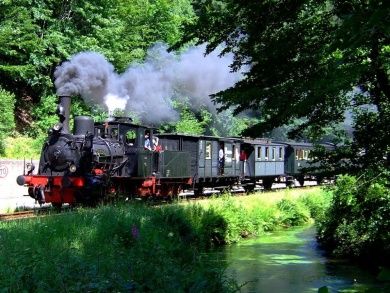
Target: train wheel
<point x="198" y="191"/>
<point x="57" y="205"/>
<point x="267" y="183"/>
<point x="301" y="180"/>
<point x="289" y="183"/>
<point x="249" y="188"/>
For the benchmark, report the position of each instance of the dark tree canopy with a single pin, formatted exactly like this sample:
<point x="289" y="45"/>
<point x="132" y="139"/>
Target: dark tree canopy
<point x="308" y="60"/>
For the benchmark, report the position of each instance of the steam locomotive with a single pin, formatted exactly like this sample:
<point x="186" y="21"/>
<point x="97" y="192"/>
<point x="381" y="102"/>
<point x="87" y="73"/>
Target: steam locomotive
<point x="101" y="161"/>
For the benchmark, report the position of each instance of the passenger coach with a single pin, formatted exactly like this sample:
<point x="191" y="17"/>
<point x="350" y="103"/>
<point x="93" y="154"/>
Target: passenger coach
<point x="263" y="160"/>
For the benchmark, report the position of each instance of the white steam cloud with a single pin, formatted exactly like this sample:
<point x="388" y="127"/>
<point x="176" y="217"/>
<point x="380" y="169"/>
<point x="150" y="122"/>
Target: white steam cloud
<point x="148" y="89"/>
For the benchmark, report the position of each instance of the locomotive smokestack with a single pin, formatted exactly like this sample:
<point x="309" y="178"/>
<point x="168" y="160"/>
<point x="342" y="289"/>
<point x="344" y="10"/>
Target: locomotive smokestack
<point x="63" y="112"/>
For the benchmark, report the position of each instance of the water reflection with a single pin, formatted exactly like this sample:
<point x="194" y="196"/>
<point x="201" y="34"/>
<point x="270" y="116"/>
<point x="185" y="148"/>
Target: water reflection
<point x="290" y="261"/>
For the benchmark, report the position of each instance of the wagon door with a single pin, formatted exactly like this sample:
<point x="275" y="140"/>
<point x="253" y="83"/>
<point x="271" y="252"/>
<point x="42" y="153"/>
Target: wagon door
<point x="229" y="165"/>
<point x="214" y="158"/>
<point x="238" y="164"/>
<point x="202" y="156"/>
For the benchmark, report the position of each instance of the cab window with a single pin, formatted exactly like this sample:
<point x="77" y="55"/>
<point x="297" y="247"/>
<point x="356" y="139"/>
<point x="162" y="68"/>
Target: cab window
<point x="114" y="133"/>
<point x="130" y="137"/>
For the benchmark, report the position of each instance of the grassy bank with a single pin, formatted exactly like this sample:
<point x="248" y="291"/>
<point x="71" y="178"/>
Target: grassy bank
<point x="140" y="248"/>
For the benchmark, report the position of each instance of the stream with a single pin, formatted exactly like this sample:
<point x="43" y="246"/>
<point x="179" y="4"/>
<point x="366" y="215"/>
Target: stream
<point x="291" y="261"/>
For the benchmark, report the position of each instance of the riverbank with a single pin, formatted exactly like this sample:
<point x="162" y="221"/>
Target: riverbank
<point x="141" y="248"/>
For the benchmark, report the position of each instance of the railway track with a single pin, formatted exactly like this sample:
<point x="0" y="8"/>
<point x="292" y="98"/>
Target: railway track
<point x="32" y="213"/>
<point x="18" y="215"/>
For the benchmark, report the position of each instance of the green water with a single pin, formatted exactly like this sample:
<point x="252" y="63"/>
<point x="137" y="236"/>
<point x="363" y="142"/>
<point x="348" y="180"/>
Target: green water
<point x="290" y="261"/>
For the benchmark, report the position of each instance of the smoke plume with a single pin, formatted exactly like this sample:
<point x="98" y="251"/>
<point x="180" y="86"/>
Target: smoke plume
<point x="148" y="89"/>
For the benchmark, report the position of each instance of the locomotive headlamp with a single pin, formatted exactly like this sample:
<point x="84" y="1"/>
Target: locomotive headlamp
<point x="57" y="127"/>
<point x="72" y="168"/>
<point x="30" y="168"/>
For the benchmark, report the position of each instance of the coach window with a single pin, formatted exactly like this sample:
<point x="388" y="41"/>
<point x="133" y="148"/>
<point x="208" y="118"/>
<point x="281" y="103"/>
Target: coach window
<point x="258" y="153"/>
<point x="233" y="152"/>
<point x="266" y="155"/>
<point x="273" y="155"/>
<point x="299" y="154"/>
<point x="281" y="153"/>
<point x="305" y="154"/>
<point x="208" y="150"/>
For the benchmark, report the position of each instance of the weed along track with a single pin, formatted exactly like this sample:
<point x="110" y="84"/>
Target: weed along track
<point x="33" y="213"/>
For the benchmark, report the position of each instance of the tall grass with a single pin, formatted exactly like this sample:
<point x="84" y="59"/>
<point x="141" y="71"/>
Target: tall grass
<point x="110" y="249"/>
<point x="261" y="212"/>
<point x="136" y="247"/>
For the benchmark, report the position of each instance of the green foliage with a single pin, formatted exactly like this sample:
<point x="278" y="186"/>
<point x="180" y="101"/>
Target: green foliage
<point x="339" y="54"/>
<point x="226" y="123"/>
<point x="189" y="121"/>
<point x="293" y="213"/>
<point x="136" y="252"/>
<point x="229" y="220"/>
<point x="24" y="147"/>
<point x="205" y="122"/>
<point x="35" y="36"/>
<point x="45" y="114"/>
<point x="140" y="248"/>
<point x="7" y="123"/>
<point x="189" y="124"/>
<point x="357" y="222"/>
<point x="317" y="203"/>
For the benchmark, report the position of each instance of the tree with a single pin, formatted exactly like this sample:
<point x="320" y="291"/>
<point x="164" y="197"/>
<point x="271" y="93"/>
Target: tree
<point x="308" y="60"/>
<point x="36" y="36"/>
<point x="7" y="123"/>
<point x="189" y="122"/>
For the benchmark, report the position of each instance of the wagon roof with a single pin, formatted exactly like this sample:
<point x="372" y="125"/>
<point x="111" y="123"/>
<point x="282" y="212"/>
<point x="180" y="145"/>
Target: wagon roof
<point x="307" y="144"/>
<point x="209" y="137"/>
<point x="261" y="141"/>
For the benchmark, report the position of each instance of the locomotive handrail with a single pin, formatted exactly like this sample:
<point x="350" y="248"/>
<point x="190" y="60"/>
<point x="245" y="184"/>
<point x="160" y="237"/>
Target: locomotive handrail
<point x="119" y="166"/>
<point x="109" y="149"/>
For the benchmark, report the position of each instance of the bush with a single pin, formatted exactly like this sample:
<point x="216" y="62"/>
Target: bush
<point x="23" y="147"/>
<point x="7" y="122"/>
<point x="317" y="203"/>
<point x="292" y="213"/>
<point x="357" y="223"/>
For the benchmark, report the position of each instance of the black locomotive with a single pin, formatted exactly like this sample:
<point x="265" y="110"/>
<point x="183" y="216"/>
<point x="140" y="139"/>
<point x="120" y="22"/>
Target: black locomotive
<point x="99" y="161"/>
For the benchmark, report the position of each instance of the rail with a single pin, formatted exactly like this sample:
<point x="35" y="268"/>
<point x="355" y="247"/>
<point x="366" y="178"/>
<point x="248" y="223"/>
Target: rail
<point x="18" y="215"/>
